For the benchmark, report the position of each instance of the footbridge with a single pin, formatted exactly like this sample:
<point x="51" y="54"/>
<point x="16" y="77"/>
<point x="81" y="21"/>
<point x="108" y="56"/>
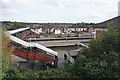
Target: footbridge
<point x="31" y="51"/>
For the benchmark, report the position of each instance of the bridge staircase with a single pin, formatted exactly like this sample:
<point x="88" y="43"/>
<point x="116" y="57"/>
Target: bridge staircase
<point x="31" y="51"/>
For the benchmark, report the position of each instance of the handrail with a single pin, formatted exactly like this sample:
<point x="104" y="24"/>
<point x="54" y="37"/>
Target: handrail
<point x="84" y="45"/>
<point x="35" y="31"/>
<point x="24" y="43"/>
<point x="18" y="30"/>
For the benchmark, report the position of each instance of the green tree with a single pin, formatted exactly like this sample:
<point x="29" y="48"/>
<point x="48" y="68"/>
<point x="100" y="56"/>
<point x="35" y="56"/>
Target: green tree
<point x="100" y="60"/>
<point x="13" y="73"/>
<point x="27" y="73"/>
<point x="49" y="25"/>
<point x="81" y="24"/>
<point x="6" y="52"/>
<point x="51" y="73"/>
<point x="17" y="25"/>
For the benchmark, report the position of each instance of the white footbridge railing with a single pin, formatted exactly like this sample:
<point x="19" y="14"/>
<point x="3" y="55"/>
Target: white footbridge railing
<point x="26" y="44"/>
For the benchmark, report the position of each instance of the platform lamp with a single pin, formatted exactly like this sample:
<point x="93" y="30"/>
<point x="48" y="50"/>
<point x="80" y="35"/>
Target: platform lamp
<point x="66" y="36"/>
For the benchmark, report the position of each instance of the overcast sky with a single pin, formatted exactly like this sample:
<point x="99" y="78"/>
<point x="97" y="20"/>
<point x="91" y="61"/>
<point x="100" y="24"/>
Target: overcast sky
<point x="63" y="11"/>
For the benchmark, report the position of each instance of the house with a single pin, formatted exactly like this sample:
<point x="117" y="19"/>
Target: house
<point x="78" y="28"/>
<point x="52" y="30"/>
<point x="71" y="29"/>
<point x="46" y="29"/>
<point x="61" y="29"/>
<point x="66" y="30"/>
<point x="40" y="30"/>
<point x="57" y="31"/>
<point x="90" y="29"/>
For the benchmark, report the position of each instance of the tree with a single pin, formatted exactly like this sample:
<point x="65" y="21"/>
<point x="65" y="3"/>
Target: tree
<point x="81" y="24"/>
<point x="13" y="73"/>
<point x="27" y="73"/>
<point x="6" y="52"/>
<point x="17" y="25"/>
<point x="100" y="60"/>
<point x="47" y="73"/>
<point x="49" y="25"/>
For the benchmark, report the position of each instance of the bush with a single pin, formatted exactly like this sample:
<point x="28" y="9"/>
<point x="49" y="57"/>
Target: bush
<point x="76" y="35"/>
<point x="13" y="28"/>
<point x="52" y="73"/>
<point x="100" y="60"/>
<point x="59" y="36"/>
<point x="68" y="35"/>
<point x="25" y="73"/>
<point x="28" y="73"/>
<point x="13" y="73"/>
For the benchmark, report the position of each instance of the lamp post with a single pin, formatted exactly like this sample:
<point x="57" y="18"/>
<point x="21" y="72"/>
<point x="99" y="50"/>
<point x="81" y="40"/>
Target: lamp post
<point x="78" y="46"/>
<point x="79" y="33"/>
<point x="66" y="36"/>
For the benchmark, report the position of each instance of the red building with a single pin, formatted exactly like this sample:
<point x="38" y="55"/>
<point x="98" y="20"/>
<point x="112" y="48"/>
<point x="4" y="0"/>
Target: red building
<point x="98" y="32"/>
<point x="90" y="29"/>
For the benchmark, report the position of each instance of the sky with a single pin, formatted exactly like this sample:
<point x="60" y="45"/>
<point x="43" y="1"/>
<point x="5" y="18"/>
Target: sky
<point x="58" y="11"/>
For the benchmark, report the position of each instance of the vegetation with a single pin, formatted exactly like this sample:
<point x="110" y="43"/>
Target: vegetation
<point x="59" y="36"/>
<point x="68" y="35"/>
<point x="48" y="73"/>
<point x="76" y="35"/>
<point x="100" y="60"/>
<point x="13" y="73"/>
<point x="83" y="24"/>
<point x="49" y="25"/>
<point x="14" y="25"/>
<point x="6" y="52"/>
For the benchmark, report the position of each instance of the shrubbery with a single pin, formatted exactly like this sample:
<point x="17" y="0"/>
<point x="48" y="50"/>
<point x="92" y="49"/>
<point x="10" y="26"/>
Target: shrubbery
<point x="59" y="36"/>
<point x="76" y="35"/>
<point x="47" y="73"/>
<point x="13" y="73"/>
<point x="68" y="35"/>
<point x="100" y="60"/>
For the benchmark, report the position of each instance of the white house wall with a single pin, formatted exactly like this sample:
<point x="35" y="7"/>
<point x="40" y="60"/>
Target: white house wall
<point x="40" y="30"/>
<point x="57" y="32"/>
